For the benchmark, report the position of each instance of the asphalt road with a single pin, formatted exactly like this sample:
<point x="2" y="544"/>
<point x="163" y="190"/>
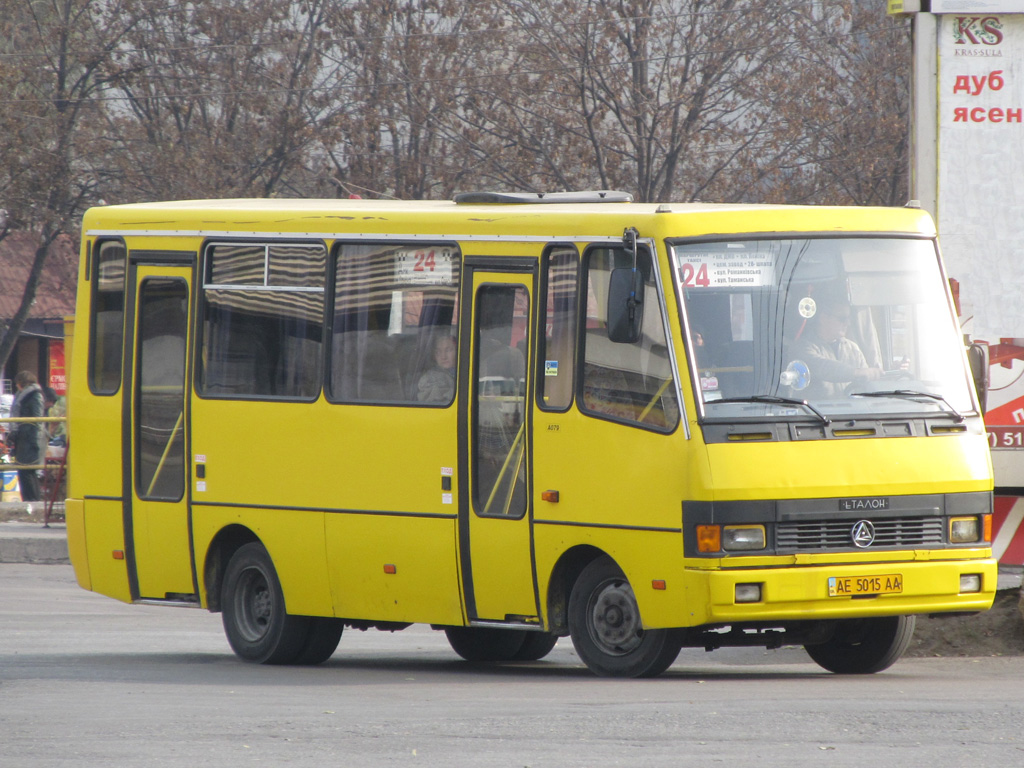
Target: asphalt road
<point x="87" y="681"/>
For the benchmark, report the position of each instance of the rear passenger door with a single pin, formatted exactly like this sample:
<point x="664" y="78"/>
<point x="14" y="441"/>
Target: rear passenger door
<point x="155" y="430"/>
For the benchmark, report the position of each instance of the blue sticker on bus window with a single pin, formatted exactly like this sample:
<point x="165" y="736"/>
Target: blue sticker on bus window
<point x="550" y="367"/>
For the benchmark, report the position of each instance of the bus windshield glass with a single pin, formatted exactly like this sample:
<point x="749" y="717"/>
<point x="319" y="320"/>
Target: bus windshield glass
<point x="821" y="328"/>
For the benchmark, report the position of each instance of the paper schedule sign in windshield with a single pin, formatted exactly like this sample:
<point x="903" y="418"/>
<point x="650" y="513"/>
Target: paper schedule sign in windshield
<point x="722" y="269"/>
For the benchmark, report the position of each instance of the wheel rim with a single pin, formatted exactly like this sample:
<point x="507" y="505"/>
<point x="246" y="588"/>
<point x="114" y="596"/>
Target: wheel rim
<point x="254" y="604"/>
<point x="614" y="624"/>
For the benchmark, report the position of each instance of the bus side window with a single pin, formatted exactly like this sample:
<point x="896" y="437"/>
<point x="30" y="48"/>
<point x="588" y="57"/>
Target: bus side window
<point x="629" y="382"/>
<point x="557" y="343"/>
<point x="262" y="328"/>
<point x="106" y="339"/>
<point x="393" y="304"/>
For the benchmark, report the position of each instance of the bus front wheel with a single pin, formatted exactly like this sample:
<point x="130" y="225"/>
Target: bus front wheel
<point x="606" y="629"/>
<point x="255" y="621"/>
<point x="864" y="646"/>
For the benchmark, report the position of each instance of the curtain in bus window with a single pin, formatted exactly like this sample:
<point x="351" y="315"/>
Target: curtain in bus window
<point x="394" y="318"/>
<point x="160" y="389"/>
<point x="555" y="383"/>
<point x="263" y="320"/>
<point x="106" y="339"/>
<point x="626" y="382"/>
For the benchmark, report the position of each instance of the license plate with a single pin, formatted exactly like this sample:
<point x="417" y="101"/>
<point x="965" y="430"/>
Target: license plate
<point x="847" y="586"/>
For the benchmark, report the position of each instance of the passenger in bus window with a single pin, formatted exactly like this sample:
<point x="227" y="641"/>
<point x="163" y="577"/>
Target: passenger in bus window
<point x="834" y="360"/>
<point x="437" y="385"/>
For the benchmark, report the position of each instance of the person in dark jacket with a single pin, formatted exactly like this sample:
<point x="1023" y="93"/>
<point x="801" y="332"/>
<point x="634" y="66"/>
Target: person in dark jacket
<point x="23" y="439"/>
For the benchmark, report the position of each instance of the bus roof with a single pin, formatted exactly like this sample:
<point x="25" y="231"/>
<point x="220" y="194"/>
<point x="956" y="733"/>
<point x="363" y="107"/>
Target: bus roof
<point x="328" y="218"/>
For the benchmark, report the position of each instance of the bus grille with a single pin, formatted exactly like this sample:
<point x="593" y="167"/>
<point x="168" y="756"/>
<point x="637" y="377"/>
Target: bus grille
<point x="895" y="532"/>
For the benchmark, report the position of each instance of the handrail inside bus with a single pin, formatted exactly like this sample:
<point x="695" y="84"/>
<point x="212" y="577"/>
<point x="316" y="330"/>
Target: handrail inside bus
<point x="167" y="450"/>
<point x="516" y="443"/>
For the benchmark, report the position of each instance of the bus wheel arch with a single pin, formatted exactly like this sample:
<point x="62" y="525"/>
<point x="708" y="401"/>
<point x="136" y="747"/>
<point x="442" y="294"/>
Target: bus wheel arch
<point x="224" y="545"/>
<point x="565" y="573"/>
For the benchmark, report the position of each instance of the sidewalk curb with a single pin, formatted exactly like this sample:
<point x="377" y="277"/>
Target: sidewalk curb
<point x="32" y="543"/>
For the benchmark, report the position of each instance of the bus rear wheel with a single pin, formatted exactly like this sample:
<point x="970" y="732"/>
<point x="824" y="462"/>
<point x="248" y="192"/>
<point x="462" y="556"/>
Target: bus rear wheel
<point x="255" y="621"/>
<point x="606" y="628"/>
<point x="864" y="646"/>
<point x="485" y="643"/>
<point x="536" y="645"/>
<point x="322" y="640"/>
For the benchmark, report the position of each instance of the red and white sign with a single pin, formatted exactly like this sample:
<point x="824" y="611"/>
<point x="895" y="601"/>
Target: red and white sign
<point x="1007" y="531"/>
<point x="58" y="377"/>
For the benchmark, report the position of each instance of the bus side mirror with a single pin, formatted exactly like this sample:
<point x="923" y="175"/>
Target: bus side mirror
<point x="625" y="305"/>
<point x="977" y="358"/>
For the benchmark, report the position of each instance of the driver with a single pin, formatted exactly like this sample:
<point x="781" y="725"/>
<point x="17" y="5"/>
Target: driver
<point x="834" y="360"/>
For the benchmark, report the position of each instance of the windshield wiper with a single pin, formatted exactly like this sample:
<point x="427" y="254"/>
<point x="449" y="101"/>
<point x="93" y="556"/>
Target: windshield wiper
<point x="775" y="400"/>
<point x="909" y="394"/>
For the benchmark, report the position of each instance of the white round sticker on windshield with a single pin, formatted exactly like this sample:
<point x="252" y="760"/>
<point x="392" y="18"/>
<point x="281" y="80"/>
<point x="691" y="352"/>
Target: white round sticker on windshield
<point x="807" y="307"/>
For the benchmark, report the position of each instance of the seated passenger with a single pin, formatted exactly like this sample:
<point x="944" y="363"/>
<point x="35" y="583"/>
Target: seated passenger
<point x="437" y="385"/>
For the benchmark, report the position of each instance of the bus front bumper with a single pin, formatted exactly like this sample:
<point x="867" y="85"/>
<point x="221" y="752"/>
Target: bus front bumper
<point x="847" y="591"/>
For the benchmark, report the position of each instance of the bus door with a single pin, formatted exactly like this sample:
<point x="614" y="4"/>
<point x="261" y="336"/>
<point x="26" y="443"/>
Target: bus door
<point x="494" y="508"/>
<point x="157" y="526"/>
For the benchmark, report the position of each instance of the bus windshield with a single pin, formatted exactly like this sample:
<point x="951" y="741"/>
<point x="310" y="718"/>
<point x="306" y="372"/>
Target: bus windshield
<point x="857" y="327"/>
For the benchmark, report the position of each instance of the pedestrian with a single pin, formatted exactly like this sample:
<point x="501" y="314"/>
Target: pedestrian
<point x="54" y="405"/>
<point x="23" y="438"/>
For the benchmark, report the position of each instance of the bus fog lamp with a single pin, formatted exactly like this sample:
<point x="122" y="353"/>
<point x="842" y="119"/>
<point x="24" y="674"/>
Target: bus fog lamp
<point x="964" y="530"/>
<point x="743" y="538"/>
<point x="748" y="593"/>
<point x="970" y="582"/>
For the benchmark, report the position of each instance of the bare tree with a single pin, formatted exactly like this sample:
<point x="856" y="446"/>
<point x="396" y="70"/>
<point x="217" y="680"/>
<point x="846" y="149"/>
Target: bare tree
<point x="400" y="133"/>
<point x="732" y="100"/>
<point x="54" y="57"/>
<point x="215" y="99"/>
<point x="664" y="97"/>
<point x="856" y="128"/>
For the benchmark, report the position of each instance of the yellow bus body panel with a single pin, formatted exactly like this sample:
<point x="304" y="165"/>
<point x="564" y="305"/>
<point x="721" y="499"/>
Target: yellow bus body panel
<point x="850" y="467"/>
<point x="391" y="568"/>
<point x="342" y="465"/>
<point x="74" y="520"/>
<point x="295" y="542"/>
<point x="102" y="547"/>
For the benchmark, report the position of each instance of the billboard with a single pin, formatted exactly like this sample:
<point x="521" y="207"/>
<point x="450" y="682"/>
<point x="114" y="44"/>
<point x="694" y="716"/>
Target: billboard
<point x="980" y="162"/>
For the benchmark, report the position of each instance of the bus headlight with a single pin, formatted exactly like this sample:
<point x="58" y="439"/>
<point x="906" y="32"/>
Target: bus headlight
<point x="743" y="538"/>
<point x="964" y="530"/>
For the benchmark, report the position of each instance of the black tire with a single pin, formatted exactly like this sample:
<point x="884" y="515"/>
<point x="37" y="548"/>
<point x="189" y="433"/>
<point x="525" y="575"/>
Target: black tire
<point x="256" y="623"/>
<point x="485" y="643"/>
<point x="864" y="646"/>
<point x="321" y="642"/>
<point x="606" y="628"/>
<point x="536" y="645"/>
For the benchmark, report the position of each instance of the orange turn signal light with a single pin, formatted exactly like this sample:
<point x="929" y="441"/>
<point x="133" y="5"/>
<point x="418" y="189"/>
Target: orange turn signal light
<point x="709" y="538"/>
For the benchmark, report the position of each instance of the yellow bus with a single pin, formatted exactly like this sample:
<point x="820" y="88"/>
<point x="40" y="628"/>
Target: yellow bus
<point x="519" y="417"/>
